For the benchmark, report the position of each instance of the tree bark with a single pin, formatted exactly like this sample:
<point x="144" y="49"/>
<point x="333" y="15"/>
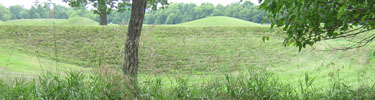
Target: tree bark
<point x="103" y="18"/>
<point x="102" y="9"/>
<point x="132" y="38"/>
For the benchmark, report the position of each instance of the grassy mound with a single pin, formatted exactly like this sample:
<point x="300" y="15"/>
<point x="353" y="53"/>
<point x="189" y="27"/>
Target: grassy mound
<point x="80" y="21"/>
<point x="33" y="21"/>
<point x="1" y="22"/>
<point x="219" y="21"/>
<point x="207" y="51"/>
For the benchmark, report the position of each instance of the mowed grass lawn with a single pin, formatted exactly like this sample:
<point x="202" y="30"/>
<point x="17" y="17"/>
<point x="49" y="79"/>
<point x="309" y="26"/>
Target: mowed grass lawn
<point x="196" y="53"/>
<point x="15" y="63"/>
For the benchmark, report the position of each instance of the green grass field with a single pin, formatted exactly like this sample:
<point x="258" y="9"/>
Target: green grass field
<point x="14" y="63"/>
<point x="173" y="53"/>
<point x="80" y="21"/>
<point x="218" y="21"/>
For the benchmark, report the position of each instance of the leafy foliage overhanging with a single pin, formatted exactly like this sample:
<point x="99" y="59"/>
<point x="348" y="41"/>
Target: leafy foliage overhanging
<point x="309" y="21"/>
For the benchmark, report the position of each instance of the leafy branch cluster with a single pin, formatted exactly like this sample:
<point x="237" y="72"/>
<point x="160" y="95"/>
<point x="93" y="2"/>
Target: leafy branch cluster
<point x="309" y="21"/>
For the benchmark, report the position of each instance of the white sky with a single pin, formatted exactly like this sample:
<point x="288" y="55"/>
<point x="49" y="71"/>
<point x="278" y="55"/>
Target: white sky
<point x="29" y="3"/>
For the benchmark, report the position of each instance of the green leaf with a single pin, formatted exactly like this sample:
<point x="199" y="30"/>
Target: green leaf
<point x="265" y="38"/>
<point x="357" y="15"/>
<point x="341" y="11"/>
<point x="363" y="18"/>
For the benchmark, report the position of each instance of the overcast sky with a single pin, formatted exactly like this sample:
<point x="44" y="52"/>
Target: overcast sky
<point x="29" y="3"/>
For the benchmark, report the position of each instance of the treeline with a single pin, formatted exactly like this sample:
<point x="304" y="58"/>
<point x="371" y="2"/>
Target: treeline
<point x="175" y="13"/>
<point x="38" y="12"/>
<point x="183" y="12"/>
<point x="57" y="12"/>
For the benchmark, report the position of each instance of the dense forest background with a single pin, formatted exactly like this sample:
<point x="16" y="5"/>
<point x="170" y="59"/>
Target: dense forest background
<point x="175" y="13"/>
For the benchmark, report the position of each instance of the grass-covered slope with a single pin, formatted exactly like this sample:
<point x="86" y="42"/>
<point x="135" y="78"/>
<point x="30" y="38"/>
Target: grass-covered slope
<point x="71" y="21"/>
<point x="179" y="63"/>
<point x="80" y="21"/>
<point x="193" y="51"/>
<point x="15" y="63"/>
<point x="218" y="21"/>
<point x="34" y="21"/>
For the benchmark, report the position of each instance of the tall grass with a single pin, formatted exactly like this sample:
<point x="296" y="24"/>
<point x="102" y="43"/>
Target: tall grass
<point x="111" y="85"/>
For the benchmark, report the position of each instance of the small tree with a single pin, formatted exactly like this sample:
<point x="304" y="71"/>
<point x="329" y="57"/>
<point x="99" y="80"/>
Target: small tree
<point x="5" y="14"/>
<point x="16" y="10"/>
<point x="134" y="32"/>
<point x="102" y="7"/>
<point x="308" y="21"/>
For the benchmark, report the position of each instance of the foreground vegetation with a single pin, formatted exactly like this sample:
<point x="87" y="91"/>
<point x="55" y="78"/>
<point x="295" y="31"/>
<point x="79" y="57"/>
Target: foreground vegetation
<point x="109" y="85"/>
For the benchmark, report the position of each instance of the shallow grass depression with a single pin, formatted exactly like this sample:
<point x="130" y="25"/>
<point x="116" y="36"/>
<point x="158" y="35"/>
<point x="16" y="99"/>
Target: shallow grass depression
<point x="177" y="62"/>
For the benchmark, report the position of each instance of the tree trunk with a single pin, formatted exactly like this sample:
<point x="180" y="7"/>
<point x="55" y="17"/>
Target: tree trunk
<point x="132" y="39"/>
<point x="103" y="18"/>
